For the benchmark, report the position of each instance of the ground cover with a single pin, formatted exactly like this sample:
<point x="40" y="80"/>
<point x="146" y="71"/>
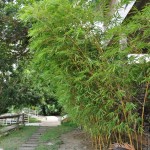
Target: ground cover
<point x="51" y="139"/>
<point x="76" y="140"/>
<point x="16" y="138"/>
<point x="34" y="120"/>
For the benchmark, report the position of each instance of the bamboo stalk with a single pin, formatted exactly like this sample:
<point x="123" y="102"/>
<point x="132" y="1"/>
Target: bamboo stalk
<point x="143" y="110"/>
<point x="120" y="139"/>
<point x="103" y="143"/>
<point x="99" y="142"/>
<point x="129" y="135"/>
<point x="92" y="141"/>
<point x="137" y="145"/>
<point x="116" y="137"/>
<point x="96" y="146"/>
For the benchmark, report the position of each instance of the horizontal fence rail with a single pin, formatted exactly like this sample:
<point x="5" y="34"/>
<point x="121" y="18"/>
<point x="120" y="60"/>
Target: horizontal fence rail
<point x="12" y="119"/>
<point x="11" y="122"/>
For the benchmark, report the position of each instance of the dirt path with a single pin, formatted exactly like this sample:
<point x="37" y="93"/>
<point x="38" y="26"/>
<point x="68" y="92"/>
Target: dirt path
<point x="75" y="140"/>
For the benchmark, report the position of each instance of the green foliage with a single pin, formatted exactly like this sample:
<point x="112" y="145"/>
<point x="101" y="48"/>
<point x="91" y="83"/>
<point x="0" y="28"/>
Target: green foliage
<point x="42" y="93"/>
<point x="94" y="84"/>
<point x="16" y="82"/>
<point x="13" y="51"/>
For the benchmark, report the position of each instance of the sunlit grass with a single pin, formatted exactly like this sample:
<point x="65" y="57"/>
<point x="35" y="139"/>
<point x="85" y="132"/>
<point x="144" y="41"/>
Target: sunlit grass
<point x="52" y="136"/>
<point x="16" y="138"/>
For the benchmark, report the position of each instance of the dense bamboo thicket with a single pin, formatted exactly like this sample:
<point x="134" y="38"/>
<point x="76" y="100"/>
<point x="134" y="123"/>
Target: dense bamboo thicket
<point x="96" y="85"/>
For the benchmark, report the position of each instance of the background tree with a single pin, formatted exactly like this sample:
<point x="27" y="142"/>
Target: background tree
<point x="16" y="86"/>
<point x="13" y="48"/>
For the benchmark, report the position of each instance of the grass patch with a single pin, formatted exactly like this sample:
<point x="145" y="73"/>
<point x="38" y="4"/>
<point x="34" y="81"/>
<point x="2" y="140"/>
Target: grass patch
<point x="34" y="120"/>
<point x="53" y="136"/>
<point x="16" y="138"/>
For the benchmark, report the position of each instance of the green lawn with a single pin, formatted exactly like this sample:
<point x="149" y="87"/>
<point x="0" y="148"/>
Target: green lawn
<point x="34" y="120"/>
<point x="53" y="136"/>
<point x="16" y="138"/>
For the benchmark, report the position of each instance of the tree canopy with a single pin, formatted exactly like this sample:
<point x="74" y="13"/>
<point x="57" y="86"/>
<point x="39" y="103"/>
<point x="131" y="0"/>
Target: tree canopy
<point x="17" y="86"/>
<point x="96" y="85"/>
<point x="13" y="50"/>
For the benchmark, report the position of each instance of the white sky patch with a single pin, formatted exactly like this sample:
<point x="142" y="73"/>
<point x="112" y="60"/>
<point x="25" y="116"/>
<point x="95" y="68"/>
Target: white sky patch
<point x="118" y="18"/>
<point x="123" y="12"/>
<point x="99" y="25"/>
<point x="138" y="58"/>
<point x="14" y="66"/>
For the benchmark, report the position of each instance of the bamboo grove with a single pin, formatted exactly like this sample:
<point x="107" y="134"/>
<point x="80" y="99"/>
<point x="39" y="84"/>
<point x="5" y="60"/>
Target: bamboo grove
<point x="96" y="85"/>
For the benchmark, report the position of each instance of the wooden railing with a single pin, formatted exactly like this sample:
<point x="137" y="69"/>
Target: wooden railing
<point x="11" y="122"/>
<point x="12" y="119"/>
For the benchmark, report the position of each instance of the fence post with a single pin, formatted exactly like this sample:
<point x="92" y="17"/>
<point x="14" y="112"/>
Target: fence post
<point x="23" y="121"/>
<point x="17" y="122"/>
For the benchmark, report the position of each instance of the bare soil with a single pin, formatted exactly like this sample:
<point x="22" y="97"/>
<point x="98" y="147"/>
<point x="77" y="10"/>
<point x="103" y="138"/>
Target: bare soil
<point x="75" y="140"/>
